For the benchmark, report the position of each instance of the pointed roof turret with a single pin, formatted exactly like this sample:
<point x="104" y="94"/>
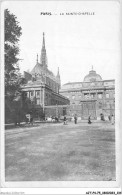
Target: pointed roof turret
<point x="43" y="58"/>
<point x="58" y="71"/>
<point x="37" y="58"/>
<point x="43" y="44"/>
<point x="58" y="74"/>
<point x="58" y="80"/>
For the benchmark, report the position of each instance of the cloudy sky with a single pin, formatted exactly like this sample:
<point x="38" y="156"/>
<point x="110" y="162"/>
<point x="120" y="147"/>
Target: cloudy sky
<point x="74" y="43"/>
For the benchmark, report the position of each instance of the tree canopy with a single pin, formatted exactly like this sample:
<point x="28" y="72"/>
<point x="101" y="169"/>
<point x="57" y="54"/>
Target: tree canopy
<point x="11" y="50"/>
<point x="12" y="32"/>
<point x="16" y="102"/>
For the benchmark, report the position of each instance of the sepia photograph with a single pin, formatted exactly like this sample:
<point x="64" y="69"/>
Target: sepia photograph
<point x="60" y="93"/>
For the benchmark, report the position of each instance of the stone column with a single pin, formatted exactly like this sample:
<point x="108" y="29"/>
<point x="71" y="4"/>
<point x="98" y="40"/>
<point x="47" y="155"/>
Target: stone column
<point x="34" y="93"/>
<point x="28" y="94"/>
<point x="97" y="105"/>
<point x="43" y="98"/>
<point x="40" y="96"/>
<point x="89" y="95"/>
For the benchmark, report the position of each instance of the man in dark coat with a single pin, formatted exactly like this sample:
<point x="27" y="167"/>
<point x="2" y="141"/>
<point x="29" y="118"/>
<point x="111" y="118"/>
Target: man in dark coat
<point x="89" y="119"/>
<point x="75" y="119"/>
<point x="65" y="120"/>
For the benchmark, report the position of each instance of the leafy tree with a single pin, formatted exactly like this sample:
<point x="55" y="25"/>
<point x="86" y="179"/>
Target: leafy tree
<point x="13" y="78"/>
<point x="16" y="102"/>
<point x="11" y="51"/>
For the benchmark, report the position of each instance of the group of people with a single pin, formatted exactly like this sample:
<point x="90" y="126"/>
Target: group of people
<point x="65" y="119"/>
<point x="110" y="117"/>
<point x="75" y="119"/>
<point x="52" y="119"/>
<point x="29" y="119"/>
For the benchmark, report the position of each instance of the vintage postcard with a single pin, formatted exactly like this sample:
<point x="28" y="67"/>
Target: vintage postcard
<point x="60" y="96"/>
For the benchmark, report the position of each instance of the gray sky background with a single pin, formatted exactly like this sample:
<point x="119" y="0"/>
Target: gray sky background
<point x="73" y="43"/>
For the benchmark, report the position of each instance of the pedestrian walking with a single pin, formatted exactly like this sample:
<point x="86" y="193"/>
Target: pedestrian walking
<point x="31" y="120"/>
<point x="65" y="120"/>
<point x="109" y="117"/>
<point x="89" y="119"/>
<point x="75" y="119"/>
<point x="28" y="116"/>
<point x="102" y="117"/>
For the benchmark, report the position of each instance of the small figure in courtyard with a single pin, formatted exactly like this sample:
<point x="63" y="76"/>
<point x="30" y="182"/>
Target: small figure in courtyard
<point x="102" y="117"/>
<point x="27" y="118"/>
<point x="109" y="117"/>
<point x="112" y="119"/>
<point x="89" y="119"/>
<point x="56" y="119"/>
<point x="65" y="120"/>
<point x="31" y="120"/>
<point x="52" y="118"/>
<point x="75" y="119"/>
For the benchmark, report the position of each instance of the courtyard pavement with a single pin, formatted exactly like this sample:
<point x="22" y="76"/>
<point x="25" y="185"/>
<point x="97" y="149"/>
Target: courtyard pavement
<point x="57" y="152"/>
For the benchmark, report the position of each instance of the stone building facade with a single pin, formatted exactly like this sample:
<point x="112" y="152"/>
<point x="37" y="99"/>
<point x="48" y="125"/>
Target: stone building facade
<point x="92" y="97"/>
<point x="42" y="86"/>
